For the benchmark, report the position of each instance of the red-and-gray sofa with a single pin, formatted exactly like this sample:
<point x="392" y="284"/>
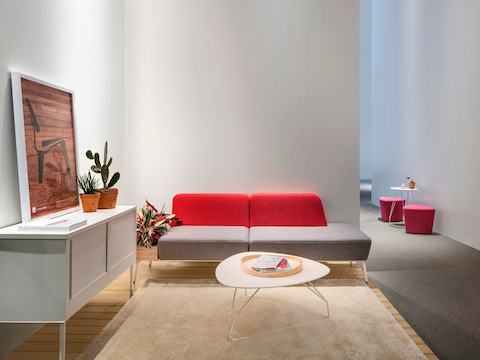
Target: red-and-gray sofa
<point x="215" y="226"/>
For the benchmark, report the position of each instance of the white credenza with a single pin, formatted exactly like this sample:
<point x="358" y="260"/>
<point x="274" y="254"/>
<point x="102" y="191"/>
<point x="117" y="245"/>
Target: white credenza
<point x="45" y="277"/>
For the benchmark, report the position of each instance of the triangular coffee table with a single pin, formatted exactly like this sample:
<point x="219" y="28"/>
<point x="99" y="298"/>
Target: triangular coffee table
<point x="229" y="273"/>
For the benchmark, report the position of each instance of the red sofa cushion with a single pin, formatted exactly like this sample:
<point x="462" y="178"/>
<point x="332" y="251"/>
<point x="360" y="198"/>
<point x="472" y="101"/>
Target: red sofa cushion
<point x="212" y="209"/>
<point x="302" y="209"/>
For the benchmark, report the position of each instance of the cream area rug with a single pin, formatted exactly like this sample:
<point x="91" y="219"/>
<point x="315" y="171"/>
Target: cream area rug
<point x="168" y="321"/>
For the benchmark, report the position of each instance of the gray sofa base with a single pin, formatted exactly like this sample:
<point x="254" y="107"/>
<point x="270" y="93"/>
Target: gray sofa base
<point x="317" y="251"/>
<point x="201" y="251"/>
<point x="335" y="242"/>
<point x="203" y="242"/>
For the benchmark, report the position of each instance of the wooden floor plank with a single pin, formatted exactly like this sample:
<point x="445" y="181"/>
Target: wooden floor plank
<point x="71" y="330"/>
<point x="53" y="338"/>
<point x="34" y="347"/>
<point x="39" y="356"/>
<point x="93" y="316"/>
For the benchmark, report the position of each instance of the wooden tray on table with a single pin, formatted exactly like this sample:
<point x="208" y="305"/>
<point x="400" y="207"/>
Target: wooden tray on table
<point x="295" y="262"/>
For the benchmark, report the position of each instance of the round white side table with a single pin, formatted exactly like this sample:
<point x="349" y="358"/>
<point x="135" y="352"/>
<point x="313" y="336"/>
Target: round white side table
<point x="401" y="192"/>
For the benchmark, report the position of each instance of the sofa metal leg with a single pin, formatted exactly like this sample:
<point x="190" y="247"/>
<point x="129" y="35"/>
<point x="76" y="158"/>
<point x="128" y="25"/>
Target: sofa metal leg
<point x="150" y="265"/>
<point x="364" y="266"/>
<point x="135" y="272"/>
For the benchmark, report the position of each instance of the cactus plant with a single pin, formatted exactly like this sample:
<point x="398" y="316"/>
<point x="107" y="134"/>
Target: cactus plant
<point x="103" y="169"/>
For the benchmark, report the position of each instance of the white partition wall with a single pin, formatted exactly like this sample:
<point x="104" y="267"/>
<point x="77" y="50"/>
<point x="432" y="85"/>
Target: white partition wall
<point x="365" y="89"/>
<point x="426" y="113"/>
<point x="243" y="96"/>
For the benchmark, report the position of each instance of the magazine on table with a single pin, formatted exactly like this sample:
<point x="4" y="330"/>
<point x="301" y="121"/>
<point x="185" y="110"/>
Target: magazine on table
<point x="269" y="263"/>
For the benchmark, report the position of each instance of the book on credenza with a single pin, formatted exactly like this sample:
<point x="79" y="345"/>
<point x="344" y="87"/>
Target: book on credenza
<point x="65" y="223"/>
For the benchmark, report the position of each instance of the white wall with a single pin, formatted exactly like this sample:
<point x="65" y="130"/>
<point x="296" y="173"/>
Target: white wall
<point x="243" y="96"/>
<point x="78" y="44"/>
<point x="426" y="113"/>
<point x="365" y="89"/>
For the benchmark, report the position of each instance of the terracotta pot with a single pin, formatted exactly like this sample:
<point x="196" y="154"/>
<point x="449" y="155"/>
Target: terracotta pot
<point x="147" y="254"/>
<point x="108" y="198"/>
<point x="90" y="202"/>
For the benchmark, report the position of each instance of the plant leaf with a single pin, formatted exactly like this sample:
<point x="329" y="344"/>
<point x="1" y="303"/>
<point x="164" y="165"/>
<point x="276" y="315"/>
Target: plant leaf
<point x="97" y="160"/>
<point x="105" y="153"/>
<point x="114" y="179"/>
<point x="87" y="183"/>
<point x="89" y="154"/>
<point x="105" y="173"/>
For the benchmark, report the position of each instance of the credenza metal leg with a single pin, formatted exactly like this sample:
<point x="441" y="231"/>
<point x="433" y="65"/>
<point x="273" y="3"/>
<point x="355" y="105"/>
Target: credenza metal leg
<point x="135" y="272"/>
<point x="133" y="277"/>
<point x="364" y="267"/>
<point x="62" y="340"/>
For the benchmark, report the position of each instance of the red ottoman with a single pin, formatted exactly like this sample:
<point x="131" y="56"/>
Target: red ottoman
<point x="419" y="219"/>
<point x="386" y="205"/>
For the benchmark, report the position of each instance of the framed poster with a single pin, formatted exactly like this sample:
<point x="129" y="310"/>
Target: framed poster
<point x="46" y="147"/>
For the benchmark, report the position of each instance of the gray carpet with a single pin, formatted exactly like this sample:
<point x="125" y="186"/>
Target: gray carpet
<point x="432" y="280"/>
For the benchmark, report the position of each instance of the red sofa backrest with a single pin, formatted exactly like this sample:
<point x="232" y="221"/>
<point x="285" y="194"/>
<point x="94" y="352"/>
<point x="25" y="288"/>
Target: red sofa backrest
<point x="212" y="209"/>
<point x="302" y="209"/>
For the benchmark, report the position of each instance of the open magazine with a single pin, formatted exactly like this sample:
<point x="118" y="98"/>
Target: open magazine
<point x="271" y="263"/>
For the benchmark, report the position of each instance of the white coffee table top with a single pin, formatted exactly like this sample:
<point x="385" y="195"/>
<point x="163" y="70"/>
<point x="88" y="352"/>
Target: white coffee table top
<point x="230" y="273"/>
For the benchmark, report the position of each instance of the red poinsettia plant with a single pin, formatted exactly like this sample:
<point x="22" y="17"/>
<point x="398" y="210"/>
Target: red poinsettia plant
<point x="151" y="224"/>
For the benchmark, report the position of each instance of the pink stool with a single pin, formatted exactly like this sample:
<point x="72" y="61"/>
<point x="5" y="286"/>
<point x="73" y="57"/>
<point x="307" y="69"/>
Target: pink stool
<point x="386" y="204"/>
<point x="419" y="219"/>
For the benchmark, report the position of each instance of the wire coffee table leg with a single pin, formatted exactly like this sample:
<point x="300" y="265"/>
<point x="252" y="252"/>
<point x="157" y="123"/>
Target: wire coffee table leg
<point x="314" y="290"/>
<point x="234" y="316"/>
